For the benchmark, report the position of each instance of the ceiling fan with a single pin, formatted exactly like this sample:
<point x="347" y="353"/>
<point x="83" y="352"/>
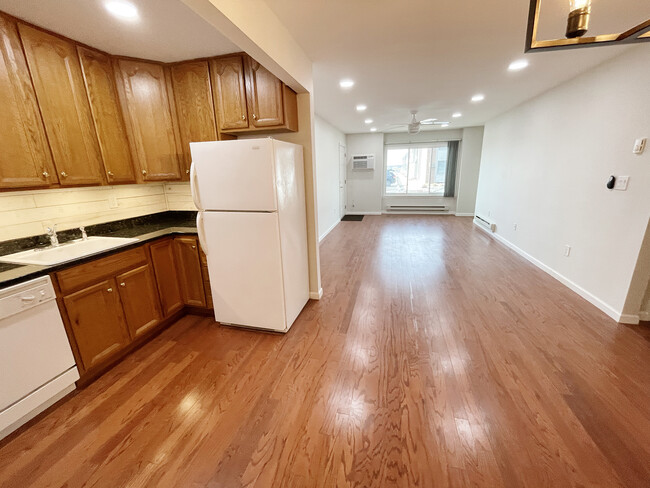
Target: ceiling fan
<point x="414" y="126"/>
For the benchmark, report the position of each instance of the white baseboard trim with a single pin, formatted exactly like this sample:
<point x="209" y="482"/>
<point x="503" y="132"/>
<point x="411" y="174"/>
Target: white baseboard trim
<point x="316" y="295"/>
<point x="329" y="230"/>
<point x="363" y="213"/>
<point x="594" y="300"/>
<point x="461" y="214"/>
<point x="644" y="316"/>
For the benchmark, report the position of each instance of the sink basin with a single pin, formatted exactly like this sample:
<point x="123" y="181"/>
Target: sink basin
<point x="66" y="252"/>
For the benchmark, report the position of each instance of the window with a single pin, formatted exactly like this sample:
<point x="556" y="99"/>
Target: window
<point x="416" y="169"/>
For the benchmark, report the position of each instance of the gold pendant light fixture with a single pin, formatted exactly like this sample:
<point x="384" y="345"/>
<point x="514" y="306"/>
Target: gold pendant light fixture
<point x="579" y="13"/>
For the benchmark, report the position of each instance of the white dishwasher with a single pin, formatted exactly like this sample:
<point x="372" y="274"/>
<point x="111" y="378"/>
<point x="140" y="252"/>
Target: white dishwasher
<point x="37" y="367"/>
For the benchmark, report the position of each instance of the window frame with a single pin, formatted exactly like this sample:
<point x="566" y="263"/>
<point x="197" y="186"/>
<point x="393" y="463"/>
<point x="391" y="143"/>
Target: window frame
<point x="406" y="145"/>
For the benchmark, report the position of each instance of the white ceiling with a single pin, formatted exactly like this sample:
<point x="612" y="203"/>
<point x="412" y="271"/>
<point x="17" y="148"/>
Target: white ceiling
<point x="167" y="31"/>
<point x="429" y="55"/>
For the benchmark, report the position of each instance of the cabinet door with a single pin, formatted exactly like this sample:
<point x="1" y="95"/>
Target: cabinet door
<point x="229" y="92"/>
<point x="193" y="96"/>
<point x="189" y="271"/>
<point x="264" y="90"/>
<point x="56" y="72"/>
<point x="149" y="119"/>
<point x="97" y="322"/>
<point x="164" y="265"/>
<point x="25" y="158"/>
<point x="107" y="115"/>
<point x="140" y="299"/>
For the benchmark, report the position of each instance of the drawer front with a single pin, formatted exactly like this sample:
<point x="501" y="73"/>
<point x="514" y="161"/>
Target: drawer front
<point x="86" y="274"/>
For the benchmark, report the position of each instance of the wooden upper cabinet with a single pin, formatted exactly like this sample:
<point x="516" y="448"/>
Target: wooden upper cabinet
<point x="265" y="106"/>
<point x="139" y="296"/>
<point x="189" y="270"/>
<point x="25" y="158"/>
<point x="61" y="95"/>
<point x="144" y="93"/>
<point x="229" y="92"/>
<point x="194" y="107"/>
<point x="107" y="115"/>
<point x="97" y="322"/>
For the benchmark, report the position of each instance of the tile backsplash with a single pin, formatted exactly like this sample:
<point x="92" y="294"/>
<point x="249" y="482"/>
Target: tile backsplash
<point x="28" y="213"/>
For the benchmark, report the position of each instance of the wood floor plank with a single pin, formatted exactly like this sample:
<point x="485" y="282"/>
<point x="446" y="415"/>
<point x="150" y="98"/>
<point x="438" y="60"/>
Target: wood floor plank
<point x="436" y="358"/>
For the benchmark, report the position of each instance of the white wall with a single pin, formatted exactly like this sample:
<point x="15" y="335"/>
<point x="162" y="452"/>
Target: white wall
<point x="545" y="165"/>
<point x="365" y="189"/>
<point x="468" y="170"/>
<point x="327" y="141"/>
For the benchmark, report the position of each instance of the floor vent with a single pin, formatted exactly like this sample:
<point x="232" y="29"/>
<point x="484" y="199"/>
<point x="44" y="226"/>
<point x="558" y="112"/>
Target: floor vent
<point x="486" y="224"/>
<point x="417" y="208"/>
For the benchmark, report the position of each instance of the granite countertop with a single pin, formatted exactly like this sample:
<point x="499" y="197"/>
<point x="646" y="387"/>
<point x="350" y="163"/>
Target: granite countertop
<point x="144" y="229"/>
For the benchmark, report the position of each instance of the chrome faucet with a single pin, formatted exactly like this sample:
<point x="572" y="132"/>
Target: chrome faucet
<point x="84" y="236"/>
<point x="51" y="231"/>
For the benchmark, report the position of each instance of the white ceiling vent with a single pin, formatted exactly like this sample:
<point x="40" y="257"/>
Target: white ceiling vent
<point x="363" y="162"/>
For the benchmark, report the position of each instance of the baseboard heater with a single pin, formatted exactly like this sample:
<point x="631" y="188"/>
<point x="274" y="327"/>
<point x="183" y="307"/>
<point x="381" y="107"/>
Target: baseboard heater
<point x="485" y="223"/>
<point x="417" y="208"/>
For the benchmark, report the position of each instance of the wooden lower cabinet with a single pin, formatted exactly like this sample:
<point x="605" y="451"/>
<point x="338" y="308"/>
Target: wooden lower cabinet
<point x="189" y="270"/>
<point x="97" y="322"/>
<point x="164" y="263"/>
<point x="139" y="297"/>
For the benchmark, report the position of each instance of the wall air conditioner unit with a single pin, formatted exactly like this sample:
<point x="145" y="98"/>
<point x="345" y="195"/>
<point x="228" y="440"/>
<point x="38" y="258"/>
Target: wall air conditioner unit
<point x="363" y="162"/>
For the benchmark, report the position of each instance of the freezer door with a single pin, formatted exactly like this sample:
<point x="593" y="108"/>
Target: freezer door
<point x="233" y="175"/>
<point x="244" y="262"/>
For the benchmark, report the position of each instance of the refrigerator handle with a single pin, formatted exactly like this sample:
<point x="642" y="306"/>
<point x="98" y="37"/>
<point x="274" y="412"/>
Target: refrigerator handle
<point x="194" y="187"/>
<point x="199" y="232"/>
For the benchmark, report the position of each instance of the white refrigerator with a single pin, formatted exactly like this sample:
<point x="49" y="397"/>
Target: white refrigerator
<point x="252" y="227"/>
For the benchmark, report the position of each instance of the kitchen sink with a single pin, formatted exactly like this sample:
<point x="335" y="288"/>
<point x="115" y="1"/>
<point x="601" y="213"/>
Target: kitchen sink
<point x="66" y="252"/>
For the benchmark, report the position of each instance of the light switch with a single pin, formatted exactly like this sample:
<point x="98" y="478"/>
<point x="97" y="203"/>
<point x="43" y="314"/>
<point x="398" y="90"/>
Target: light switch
<point x="639" y="146"/>
<point x="621" y="183"/>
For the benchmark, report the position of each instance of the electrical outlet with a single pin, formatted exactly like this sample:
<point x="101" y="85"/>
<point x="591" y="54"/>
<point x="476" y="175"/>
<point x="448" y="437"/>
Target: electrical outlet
<point x="514" y="226"/>
<point x="112" y="201"/>
<point x="567" y="251"/>
<point x="621" y="183"/>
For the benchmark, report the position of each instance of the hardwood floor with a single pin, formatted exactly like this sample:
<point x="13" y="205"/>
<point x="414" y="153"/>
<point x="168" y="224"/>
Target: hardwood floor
<point x="436" y="358"/>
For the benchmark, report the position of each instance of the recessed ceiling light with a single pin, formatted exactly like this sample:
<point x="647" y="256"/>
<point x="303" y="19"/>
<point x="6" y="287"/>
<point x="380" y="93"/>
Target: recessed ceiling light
<point x="444" y="125"/>
<point x="346" y="83"/>
<point x="456" y="115"/>
<point x="479" y="97"/>
<point x="518" y="65"/>
<point x="361" y="107"/>
<point x="373" y="129"/>
<point x="122" y="9"/>
<point x="368" y="121"/>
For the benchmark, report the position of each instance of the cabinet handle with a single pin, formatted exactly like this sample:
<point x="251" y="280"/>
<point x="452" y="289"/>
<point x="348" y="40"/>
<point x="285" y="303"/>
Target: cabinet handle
<point x="110" y="173"/>
<point x="64" y="174"/>
<point x="144" y="172"/>
<point x="254" y="117"/>
<point x="109" y="290"/>
<point x="122" y="284"/>
<point x="193" y="247"/>
<point x="187" y="171"/>
<point x="46" y="174"/>
<point x="243" y="117"/>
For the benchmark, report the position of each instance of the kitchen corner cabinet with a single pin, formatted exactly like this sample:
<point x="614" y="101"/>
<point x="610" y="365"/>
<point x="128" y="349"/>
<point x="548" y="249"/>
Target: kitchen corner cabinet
<point x="193" y="97"/>
<point x="249" y="98"/>
<point x="61" y="95"/>
<point x="109" y="122"/>
<point x="97" y="322"/>
<point x="164" y="263"/>
<point x="139" y="297"/>
<point x="145" y="96"/>
<point x="189" y="270"/>
<point x="25" y="158"/>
